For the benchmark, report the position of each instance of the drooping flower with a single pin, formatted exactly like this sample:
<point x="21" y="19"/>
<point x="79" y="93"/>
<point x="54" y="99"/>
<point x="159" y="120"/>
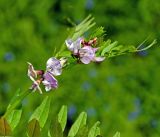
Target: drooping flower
<point x="49" y="81"/>
<point x="53" y="68"/>
<point x="84" y="50"/>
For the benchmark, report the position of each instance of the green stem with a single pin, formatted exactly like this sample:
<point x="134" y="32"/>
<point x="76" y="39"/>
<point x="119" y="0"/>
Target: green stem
<point x="16" y="102"/>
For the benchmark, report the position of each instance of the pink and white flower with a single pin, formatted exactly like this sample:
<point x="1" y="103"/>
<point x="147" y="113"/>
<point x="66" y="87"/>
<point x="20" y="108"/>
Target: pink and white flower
<point x="84" y="50"/>
<point x="87" y="54"/>
<point x="53" y="68"/>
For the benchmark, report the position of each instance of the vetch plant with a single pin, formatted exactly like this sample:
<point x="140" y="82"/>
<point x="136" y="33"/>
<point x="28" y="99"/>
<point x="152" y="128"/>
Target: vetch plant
<point x="77" y="49"/>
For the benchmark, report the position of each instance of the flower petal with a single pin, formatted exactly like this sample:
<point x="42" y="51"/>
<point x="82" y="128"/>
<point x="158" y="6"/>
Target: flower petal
<point x="74" y="46"/>
<point x="77" y="45"/>
<point x="47" y="85"/>
<point x="95" y="49"/>
<point x="85" y="60"/>
<point x="54" y="66"/>
<point x="49" y="81"/>
<point x="86" y="54"/>
<point x="69" y="44"/>
<point x="31" y="71"/>
<point x="87" y="51"/>
<point x="35" y="85"/>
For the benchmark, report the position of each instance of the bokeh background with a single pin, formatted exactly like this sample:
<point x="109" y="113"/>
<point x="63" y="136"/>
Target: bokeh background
<point x="123" y="92"/>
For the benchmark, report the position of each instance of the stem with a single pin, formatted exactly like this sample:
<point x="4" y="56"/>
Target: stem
<point x="16" y="102"/>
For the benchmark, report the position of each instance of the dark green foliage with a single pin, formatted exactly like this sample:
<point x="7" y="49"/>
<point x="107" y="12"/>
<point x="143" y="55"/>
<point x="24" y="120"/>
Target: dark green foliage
<point x="123" y="92"/>
<point x="38" y="120"/>
<point x="56" y="129"/>
<point x="83" y="132"/>
<point x="5" y="129"/>
<point x="33" y="129"/>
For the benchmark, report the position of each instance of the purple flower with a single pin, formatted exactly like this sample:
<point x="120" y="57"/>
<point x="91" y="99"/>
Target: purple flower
<point x="87" y="54"/>
<point x="49" y="81"/>
<point x="53" y="68"/>
<point x="83" y="50"/>
<point x="74" y="46"/>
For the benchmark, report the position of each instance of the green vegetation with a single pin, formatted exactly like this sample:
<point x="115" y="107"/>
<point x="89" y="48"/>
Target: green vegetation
<point x="122" y="93"/>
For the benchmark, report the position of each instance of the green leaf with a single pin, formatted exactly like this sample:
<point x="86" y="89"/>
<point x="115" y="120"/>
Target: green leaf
<point x="56" y="129"/>
<point x="41" y="113"/>
<point x="117" y="134"/>
<point x="102" y="45"/>
<point x="83" y="27"/>
<point x="13" y="118"/>
<point x="5" y="129"/>
<point x="149" y="46"/>
<point x="108" y="48"/>
<point x="64" y="54"/>
<point x="33" y="129"/>
<point x="98" y="32"/>
<point x="94" y="131"/>
<point x="14" y="98"/>
<point x="62" y="117"/>
<point x="82" y="132"/>
<point x="80" y="122"/>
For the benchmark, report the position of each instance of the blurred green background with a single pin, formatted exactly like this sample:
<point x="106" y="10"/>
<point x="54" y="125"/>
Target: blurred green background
<point x="122" y="92"/>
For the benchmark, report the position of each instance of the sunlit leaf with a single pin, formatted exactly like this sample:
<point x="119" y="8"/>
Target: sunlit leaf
<point x="33" y="129"/>
<point x="5" y="129"/>
<point x="80" y="122"/>
<point x="41" y="113"/>
<point x="83" y="27"/>
<point x="98" y="32"/>
<point x="102" y="45"/>
<point x="13" y="118"/>
<point x="108" y="48"/>
<point x="94" y="131"/>
<point x="117" y="134"/>
<point x="62" y="117"/>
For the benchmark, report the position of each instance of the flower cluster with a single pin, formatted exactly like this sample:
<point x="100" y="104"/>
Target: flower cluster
<point x="47" y="78"/>
<point x="82" y="50"/>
